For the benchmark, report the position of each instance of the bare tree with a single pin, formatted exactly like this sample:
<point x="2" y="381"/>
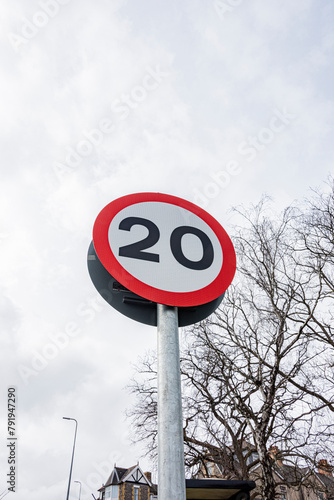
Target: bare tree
<point x="317" y="234"/>
<point x="257" y="371"/>
<point x="315" y="230"/>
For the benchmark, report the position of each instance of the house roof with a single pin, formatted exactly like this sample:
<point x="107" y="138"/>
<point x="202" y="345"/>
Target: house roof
<point x="115" y="476"/>
<point x="120" y="475"/>
<point x="327" y="481"/>
<point x="289" y="473"/>
<point x="128" y="471"/>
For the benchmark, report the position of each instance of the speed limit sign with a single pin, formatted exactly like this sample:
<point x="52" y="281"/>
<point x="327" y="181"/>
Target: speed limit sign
<point x="165" y="249"/>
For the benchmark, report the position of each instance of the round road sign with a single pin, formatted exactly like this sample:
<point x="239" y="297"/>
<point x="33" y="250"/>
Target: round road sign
<point x="164" y="249"/>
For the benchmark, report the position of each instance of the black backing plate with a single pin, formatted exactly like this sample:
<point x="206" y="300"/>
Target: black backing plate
<point x="133" y="306"/>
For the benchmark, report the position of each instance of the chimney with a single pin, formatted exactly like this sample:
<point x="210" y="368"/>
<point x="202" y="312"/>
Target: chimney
<point x="275" y="454"/>
<point x="325" y="468"/>
<point x="148" y="475"/>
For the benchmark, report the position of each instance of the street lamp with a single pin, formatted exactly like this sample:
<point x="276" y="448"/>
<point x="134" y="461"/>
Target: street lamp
<point x="79" y="489"/>
<point x="75" y="435"/>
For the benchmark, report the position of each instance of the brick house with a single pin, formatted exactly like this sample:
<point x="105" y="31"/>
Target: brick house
<point x="128" y="484"/>
<point x="292" y="483"/>
<point x="295" y="483"/>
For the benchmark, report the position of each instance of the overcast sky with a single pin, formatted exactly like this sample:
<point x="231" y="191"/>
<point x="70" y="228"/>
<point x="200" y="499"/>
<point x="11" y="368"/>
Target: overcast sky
<point x="216" y="102"/>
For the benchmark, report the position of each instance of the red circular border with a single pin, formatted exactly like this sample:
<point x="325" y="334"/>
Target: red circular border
<point x="180" y="299"/>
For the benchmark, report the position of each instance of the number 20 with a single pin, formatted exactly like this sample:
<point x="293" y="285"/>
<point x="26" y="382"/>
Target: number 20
<point x="135" y="250"/>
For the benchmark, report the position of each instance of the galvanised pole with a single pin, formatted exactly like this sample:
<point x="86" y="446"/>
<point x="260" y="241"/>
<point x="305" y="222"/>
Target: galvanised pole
<point x="171" y="474"/>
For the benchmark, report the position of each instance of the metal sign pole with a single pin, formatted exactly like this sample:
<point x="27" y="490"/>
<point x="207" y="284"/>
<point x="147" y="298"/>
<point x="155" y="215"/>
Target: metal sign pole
<point x="171" y="480"/>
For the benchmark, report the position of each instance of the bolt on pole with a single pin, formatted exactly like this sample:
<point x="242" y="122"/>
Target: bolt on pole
<point x="171" y="473"/>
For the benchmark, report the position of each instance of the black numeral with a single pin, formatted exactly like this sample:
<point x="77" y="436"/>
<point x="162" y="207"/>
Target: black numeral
<point x="176" y="247"/>
<point x="135" y="250"/>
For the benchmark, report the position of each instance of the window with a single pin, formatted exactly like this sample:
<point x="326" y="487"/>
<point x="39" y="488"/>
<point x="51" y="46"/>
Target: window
<point x="210" y="469"/>
<point x="252" y="457"/>
<point x="114" y="491"/>
<point x="283" y="493"/>
<point x="135" y="493"/>
<point x="107" y="492"/>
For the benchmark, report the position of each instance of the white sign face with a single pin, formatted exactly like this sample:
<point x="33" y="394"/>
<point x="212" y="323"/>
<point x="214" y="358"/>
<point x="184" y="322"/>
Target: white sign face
<point x="165" y="249"/>
<point x="176" y="252"/>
